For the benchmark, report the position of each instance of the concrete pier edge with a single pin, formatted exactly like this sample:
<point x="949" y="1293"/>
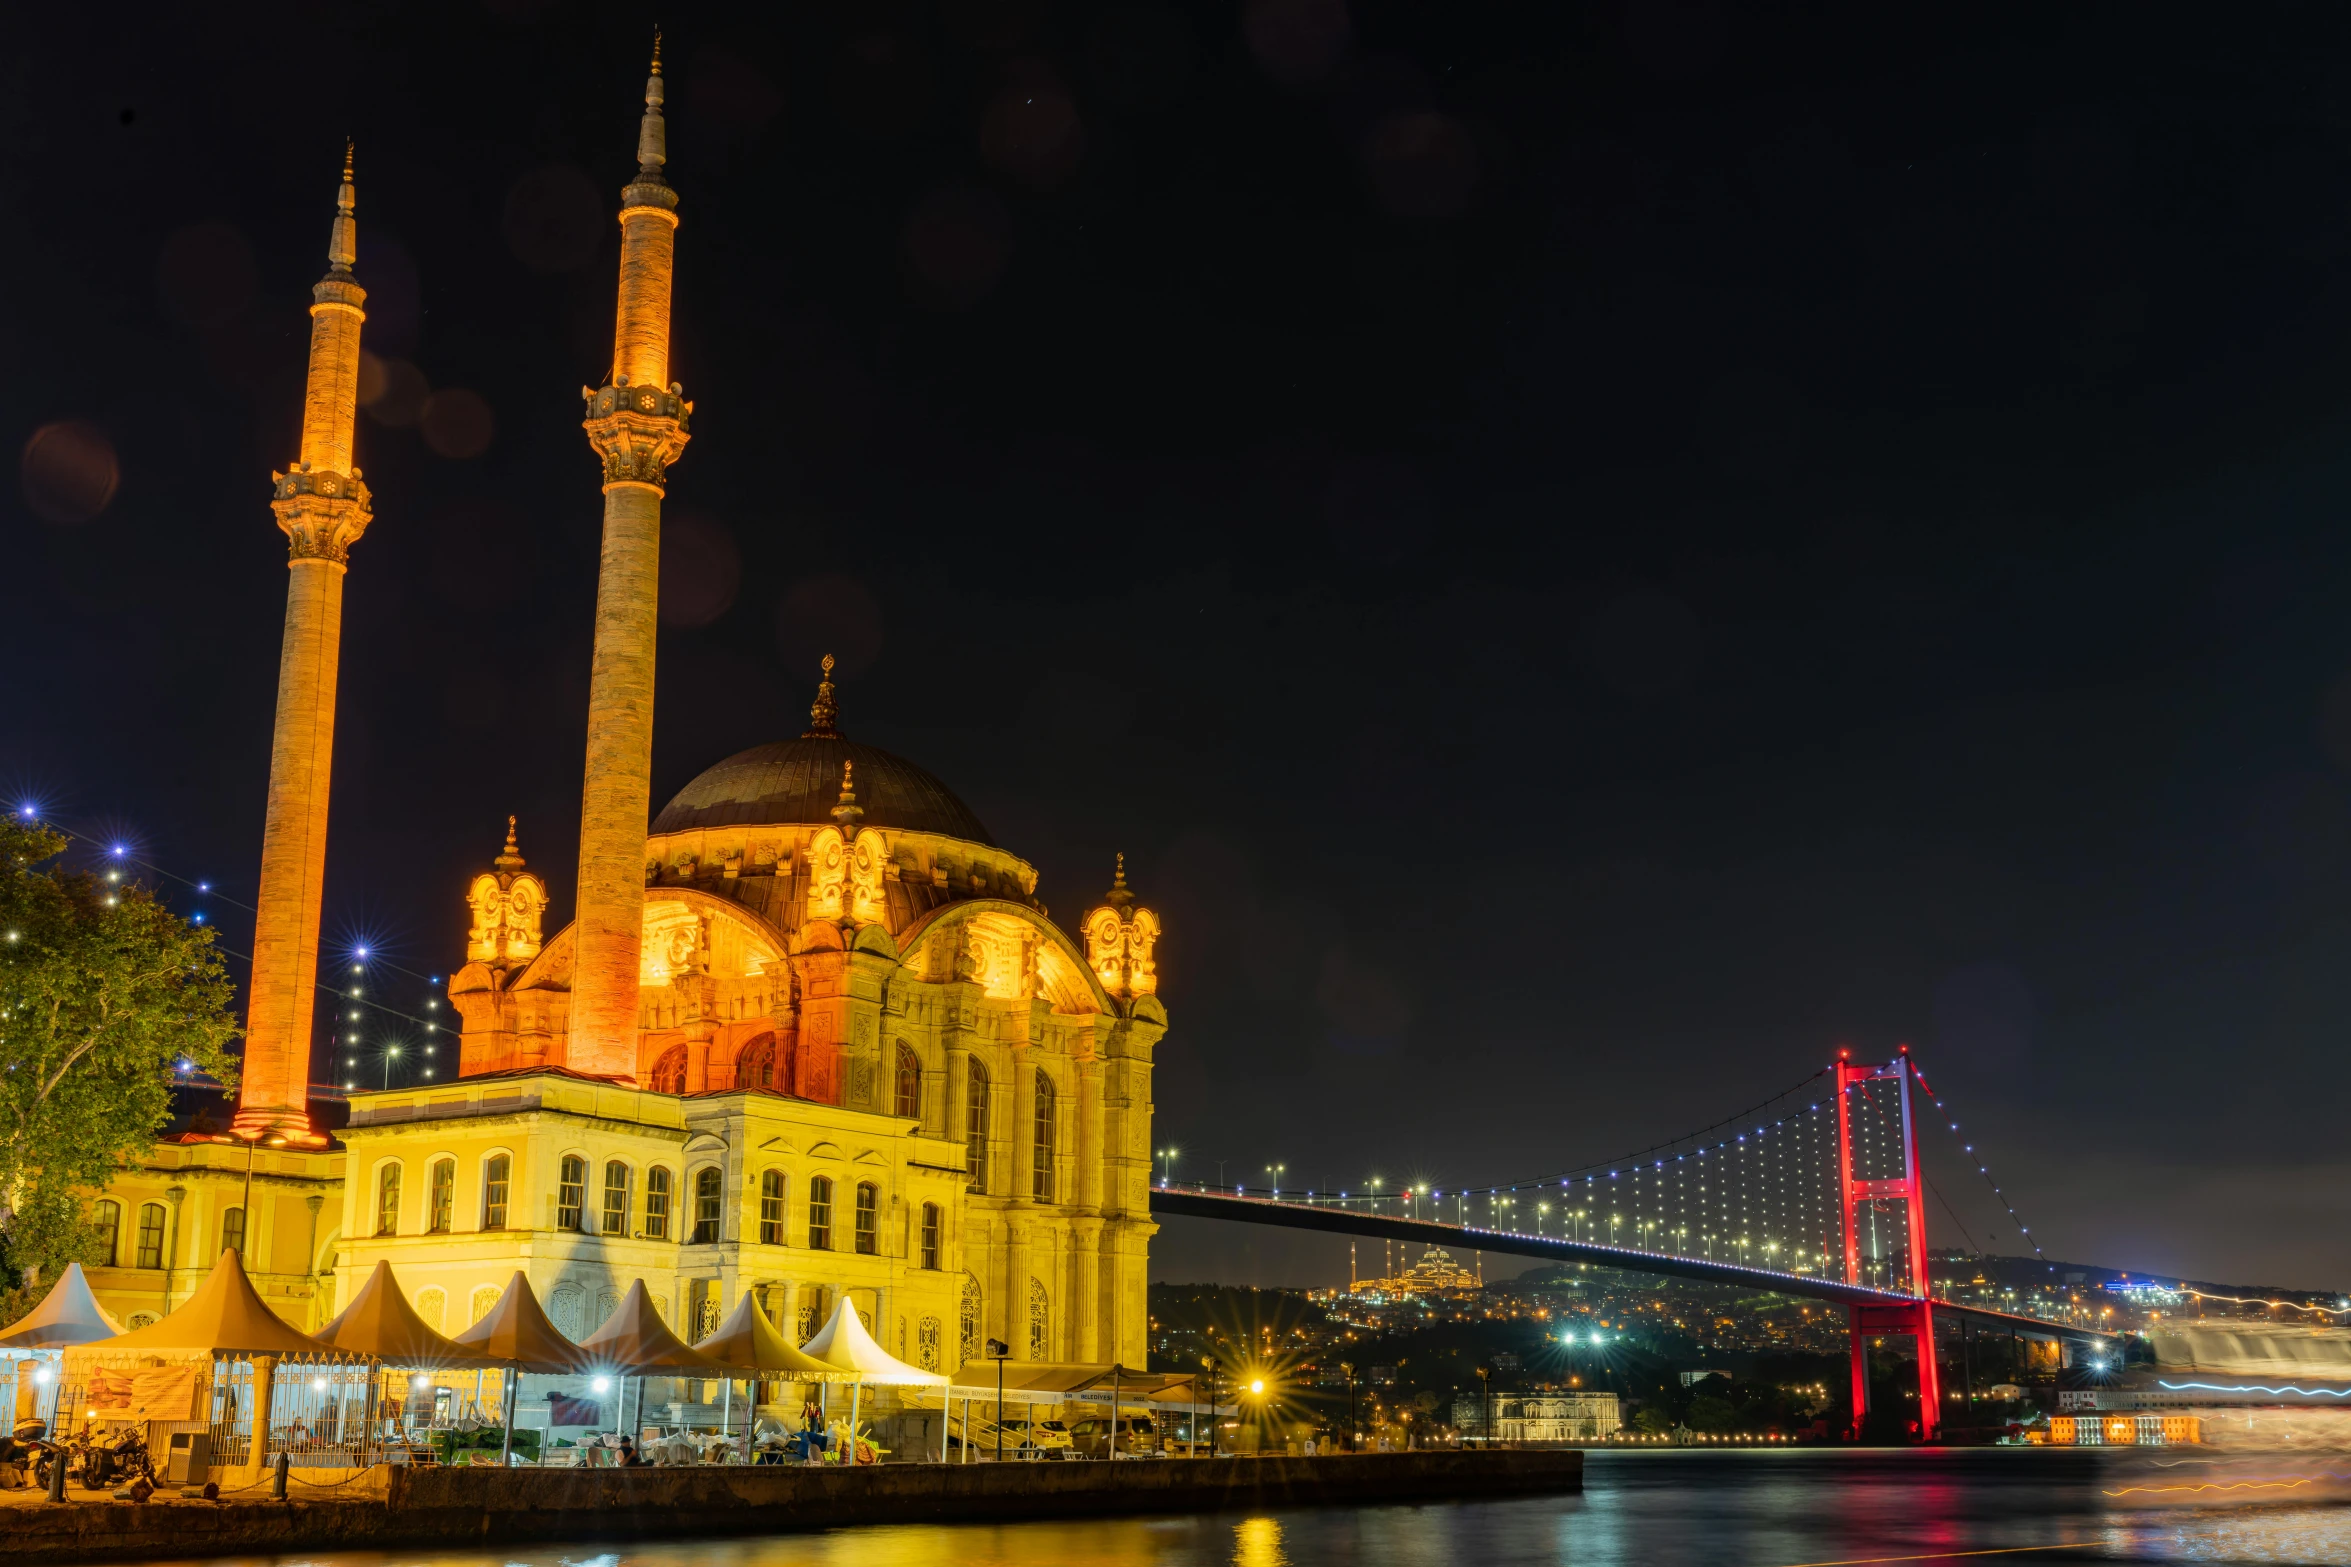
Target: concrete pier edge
<point x="423" y="1508"/>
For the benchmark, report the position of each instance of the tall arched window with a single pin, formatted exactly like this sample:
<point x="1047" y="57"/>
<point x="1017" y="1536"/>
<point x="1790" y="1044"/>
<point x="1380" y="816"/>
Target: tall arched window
<point x="930" y="1235"/>
<point x="707" y="1201"/>
<point x="441" y="1203"/>
<point x="869" y="1202"/>
<point x="967" y="1338"/>
<point x="975" y="1127"/>
<point x="150" y="1252"/>
<point x="1041" y="1158"/>
<point x="433" y="1306"/>
<point x="388" y="1200"/>
<point x="755" y="1064"/>
<point x="771" y="1208"/>
<point x="907" y="1101"/>
<point x="820" y="1213"/>
<point x="571" y="1192"/>
<point x="616" y="1197"/>
<point x="669" y="1073"/>
<point x="106" y="1219"/>
<point x="1040" y="1323"/>
<point x="496" y="1183"/>
<point x="657" y="1204"/>
<point x="232" y="1230"/>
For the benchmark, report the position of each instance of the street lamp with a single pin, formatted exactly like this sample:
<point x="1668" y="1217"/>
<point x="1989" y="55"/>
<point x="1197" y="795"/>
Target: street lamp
<point x="999" y="1352"/>
<point x="1486" y="1404"/>
<point x="1274" y="1171"/>
<point x="1347" y="1368"/>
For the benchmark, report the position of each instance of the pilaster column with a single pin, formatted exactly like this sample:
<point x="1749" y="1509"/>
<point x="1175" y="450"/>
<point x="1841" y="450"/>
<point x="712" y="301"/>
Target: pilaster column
<point x="1090" y="1331"/>
<point x="1020" y="1138"/>
<point x="1017" y="1273"/>
<point x="1089" y="1139"/>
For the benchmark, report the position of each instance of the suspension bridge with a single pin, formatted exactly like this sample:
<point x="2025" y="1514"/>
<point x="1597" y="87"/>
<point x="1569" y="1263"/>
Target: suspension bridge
<point x="1817" y="1193"/>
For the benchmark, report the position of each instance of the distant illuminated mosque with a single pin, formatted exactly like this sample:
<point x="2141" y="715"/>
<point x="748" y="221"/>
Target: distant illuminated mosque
<point x="812" y="1037"/>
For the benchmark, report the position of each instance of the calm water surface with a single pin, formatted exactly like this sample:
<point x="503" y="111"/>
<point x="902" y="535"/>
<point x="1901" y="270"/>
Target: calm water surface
<point x="1752" y="1509"/>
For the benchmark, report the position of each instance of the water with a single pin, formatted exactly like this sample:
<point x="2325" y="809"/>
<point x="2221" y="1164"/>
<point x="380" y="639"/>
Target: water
<point x="1751" y="1509"/>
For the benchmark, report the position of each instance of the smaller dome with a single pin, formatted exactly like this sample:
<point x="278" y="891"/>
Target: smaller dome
<point x="799" y="782"/>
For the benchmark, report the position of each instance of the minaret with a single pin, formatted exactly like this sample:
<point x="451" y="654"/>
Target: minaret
<point x="637" y="424"/>
<point x="323" y="507"/>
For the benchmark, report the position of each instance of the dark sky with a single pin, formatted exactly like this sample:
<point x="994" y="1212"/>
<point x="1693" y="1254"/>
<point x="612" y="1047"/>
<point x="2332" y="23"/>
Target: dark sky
<point x="1587" y="554"/>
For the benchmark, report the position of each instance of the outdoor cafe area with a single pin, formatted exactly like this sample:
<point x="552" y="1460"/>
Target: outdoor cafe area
<point x="224" y="1390"/>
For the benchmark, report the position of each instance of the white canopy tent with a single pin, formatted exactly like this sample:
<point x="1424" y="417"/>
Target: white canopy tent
<point x="844" y="1345"/>
<point x="69" y="1314"/>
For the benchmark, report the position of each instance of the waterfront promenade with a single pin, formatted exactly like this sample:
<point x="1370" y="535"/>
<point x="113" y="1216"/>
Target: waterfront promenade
<point x="431" y="1507"/>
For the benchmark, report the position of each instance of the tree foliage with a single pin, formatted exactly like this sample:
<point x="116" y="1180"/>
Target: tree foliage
<point x="103" y="993"/>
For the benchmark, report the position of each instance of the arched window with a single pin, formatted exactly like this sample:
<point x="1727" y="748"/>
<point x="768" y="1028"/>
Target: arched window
<point x="495" y="1185"/>
<point x="150" y="1252"/>
<point x="1040" y="1323"/>
<point x="868" y="1211"/>
<point x="907" y="1101"/>
<point x="388" y="1200"/>
<point x="571" y="1192"/>
<point x="771" y="1208"/>
<point x="755" y="1064"/>
<point x="616" y="1197"/>
<point x="975" y="1127"/>
<point x="967" y="1338"/>
<point x="926" y="1344"/>
<point x="707" y="1201"/>
<point x="485" y="1300"/>
<point x="1041" y="1160"/>
<point x="930" y="1235"/>
<point x="820" y="1213"/>
<point x="106" y="1219"/>
<point x="441" y="1197"/>
<point x="232" y="1230"/>
<point x="669" y="1073"/>
<point x="657" y="1204"/>
<point x="433" y="1306"/>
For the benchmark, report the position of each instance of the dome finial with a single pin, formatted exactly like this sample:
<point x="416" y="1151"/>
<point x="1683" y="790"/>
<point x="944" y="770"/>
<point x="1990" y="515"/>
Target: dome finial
<point x="510" y="859"/>
<point x="823" y="711"/>
<point x="1118" y="897"/>
<point x="848" y="811"/>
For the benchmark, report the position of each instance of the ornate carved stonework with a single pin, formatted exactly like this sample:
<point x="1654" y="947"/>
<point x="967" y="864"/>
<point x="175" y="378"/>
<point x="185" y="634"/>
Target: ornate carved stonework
<point x="1119" y="939"/>
<point x="638" y="431"/>
<point x="507" y="904"/>
<point x="323" y="513"/>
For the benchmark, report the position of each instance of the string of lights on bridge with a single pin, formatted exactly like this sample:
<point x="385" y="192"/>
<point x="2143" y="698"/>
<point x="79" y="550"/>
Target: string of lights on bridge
<point x="117" y="853"/>
<point x="1765" y="1195"/>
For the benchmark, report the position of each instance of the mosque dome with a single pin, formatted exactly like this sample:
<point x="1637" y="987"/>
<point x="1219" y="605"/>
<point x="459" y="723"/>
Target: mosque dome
<point x="799" y="781"/>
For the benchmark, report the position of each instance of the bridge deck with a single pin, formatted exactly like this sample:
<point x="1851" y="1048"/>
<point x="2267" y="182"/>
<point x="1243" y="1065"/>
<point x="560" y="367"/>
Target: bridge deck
<point x="1336" y="1220"/>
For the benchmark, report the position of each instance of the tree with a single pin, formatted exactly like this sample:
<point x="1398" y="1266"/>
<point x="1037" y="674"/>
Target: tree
<point x="104" y="994"/>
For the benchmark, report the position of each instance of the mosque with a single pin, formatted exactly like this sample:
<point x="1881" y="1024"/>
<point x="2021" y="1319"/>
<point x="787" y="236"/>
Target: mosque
<point x="812" y="1037"/>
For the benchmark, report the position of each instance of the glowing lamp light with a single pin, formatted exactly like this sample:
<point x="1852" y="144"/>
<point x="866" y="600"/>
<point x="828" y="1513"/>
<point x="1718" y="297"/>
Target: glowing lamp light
<point x="362" y="951"/>
<point x="318" y="1384"/>
<point x="602" y="1384"/>
<point x="1257" y="1385"/>
<point x="120" y="851"/>
<point x="420" y="1382"/>
<point x="43" y="1375"/>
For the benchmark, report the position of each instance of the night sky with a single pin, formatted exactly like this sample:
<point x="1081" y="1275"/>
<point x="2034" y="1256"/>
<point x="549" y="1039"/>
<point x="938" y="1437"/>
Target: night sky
<point x="1587" y="554"/>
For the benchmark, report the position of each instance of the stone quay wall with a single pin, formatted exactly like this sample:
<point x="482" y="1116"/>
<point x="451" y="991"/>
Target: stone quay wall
<point x="480" y="1506"/>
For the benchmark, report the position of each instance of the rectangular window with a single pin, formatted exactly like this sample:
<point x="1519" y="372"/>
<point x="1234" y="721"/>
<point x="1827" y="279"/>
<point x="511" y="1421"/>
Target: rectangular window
<point x="107" y="1221"/>
<point x="150" y="1251"/>
<point x="444" y="1198"/>
<point x="657" y="1204"/>
<point x="975" y="1128"/>
<point x="820" y="1213"/>
<point x="616" y="1198"/>
<point x="388" y="1200"/>
<point x="571" y="1192"/>
<point x="494" y="1189"/>
<point x="709" y="1189"/>
<point x="232" y="1230"/>
<point x="868" y="1202"/>
<point x="771" y="1208"/>
<point x="930" y="1235"/>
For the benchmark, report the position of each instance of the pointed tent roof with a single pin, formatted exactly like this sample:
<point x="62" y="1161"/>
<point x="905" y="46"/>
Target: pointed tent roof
<point x="843" y="1344"/>
<point x="68" y="1314"/>
<point x="747" y="1341"/>
<point x="634" y="1340"/>
<point x="517" y="1333"/>
<point x="225" y="1316"/>
<point x="381" y="1324"/>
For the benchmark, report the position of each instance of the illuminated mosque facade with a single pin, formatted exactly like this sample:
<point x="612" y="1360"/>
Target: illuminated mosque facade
<point x="813" y="1037"/>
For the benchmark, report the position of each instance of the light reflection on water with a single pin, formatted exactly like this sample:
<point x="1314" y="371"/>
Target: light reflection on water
<point x="1734" y="1509"/>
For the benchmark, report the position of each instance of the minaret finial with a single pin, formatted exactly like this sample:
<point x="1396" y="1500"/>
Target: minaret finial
<point x="510" y="859"/>
<point x="848" y="811"/>
<point x="343" y="244"/>
<point x="652" y="133"/>
<point x="1118" y="897"/>
<point x="823" y="711"/>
